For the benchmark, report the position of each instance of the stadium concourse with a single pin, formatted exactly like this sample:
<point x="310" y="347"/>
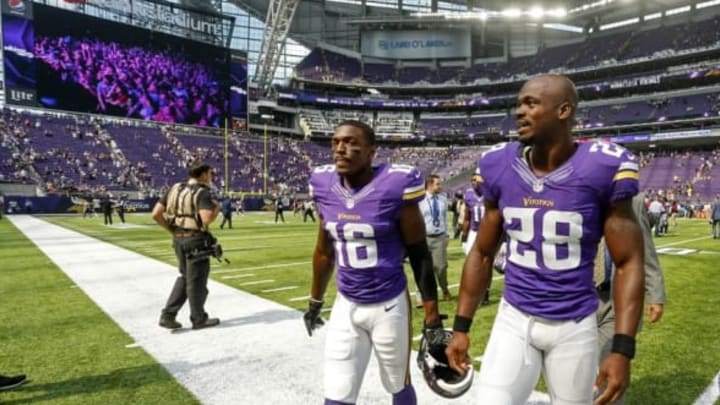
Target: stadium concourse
<point x="260" y="353"/>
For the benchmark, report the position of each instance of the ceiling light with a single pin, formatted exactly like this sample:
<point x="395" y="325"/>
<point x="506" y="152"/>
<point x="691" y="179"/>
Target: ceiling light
<point x="536" y="13"/>
<point x="511" y="12"/>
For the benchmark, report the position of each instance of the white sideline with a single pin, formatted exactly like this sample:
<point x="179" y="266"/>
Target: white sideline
<point x="260" y="352"/>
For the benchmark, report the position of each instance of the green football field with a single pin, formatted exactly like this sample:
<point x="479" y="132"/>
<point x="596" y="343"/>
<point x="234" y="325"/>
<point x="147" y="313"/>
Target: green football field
<point x="75" y="354"/>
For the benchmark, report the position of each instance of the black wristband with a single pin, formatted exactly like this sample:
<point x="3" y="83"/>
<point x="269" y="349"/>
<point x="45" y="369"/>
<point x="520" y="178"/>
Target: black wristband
<point x="623" y="344"/>
<point x="462" y="324"/>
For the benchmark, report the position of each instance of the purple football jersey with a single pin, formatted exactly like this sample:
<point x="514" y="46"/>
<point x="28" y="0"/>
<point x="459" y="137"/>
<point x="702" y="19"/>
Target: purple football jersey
<point x="475" y="204"/>
<point x="554" y="222"/>
<point x="363" y="225"/>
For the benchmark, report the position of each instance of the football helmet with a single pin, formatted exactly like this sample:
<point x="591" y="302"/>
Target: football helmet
<point x="436" y="370"/>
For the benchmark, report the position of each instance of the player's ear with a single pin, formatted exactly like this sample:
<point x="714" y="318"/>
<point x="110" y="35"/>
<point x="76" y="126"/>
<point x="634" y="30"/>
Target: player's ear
<point x="565" y="111"/>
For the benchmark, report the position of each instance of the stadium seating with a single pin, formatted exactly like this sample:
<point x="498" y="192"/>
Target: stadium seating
<point x="685" y="176"/>
<point x="75" y="154"/>
<point x="599" y="50"/>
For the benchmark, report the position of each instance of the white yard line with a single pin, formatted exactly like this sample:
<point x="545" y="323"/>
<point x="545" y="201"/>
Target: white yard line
<point x="290" y="287"/>
<point x="238" y="276"/>
<point x="680" y="242"/>
<point x="258" y="282"/>
<point x="257" y="343"/>
<point x="711" y="394"/>
<point x="268" y="266"/>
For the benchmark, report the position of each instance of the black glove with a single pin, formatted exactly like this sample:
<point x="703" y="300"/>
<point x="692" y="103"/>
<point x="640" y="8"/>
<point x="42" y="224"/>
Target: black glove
<point x="312" y="316"/>
<point x="435" y="334"/>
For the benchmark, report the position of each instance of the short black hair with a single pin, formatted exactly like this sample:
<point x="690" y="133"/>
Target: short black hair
<point x="198" y="168"/>
<point x="430" y="179"/>
<point x="367" y="129"/>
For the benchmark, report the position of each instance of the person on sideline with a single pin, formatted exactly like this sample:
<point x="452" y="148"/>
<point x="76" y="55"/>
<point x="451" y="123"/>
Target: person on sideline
<point x="369" y="221"/>
<point x="186" y="211"/>
<point x="554" y="198"/>
<point x="473" y="213"/>
<point x="434" y="210"/>
<point x="654" y="285"/>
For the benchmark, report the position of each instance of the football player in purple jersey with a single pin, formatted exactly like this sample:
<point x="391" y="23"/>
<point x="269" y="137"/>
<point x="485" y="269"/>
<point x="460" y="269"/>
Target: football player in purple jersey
<point x="474" y="209"/>
<point x="473" y="213"/>
<point x="369" y="222"/>
<point x="554" y="198"/>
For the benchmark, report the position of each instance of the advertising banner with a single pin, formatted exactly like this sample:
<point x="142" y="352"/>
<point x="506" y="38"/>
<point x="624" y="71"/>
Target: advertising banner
<point x="18" y="46"/>
<point x="438" y="44"/>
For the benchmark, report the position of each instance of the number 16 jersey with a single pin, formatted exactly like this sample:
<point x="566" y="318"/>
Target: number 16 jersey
<point x="554" y="222"/>
<point x="364" y="227"/>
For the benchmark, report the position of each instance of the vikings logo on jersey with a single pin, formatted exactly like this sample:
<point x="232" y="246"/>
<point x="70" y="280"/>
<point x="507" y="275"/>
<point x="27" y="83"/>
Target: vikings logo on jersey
<point x="369" y="250"/>
<point x="554" y="222"/>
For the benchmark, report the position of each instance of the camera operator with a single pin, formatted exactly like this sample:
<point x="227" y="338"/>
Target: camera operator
<point x="186" y="211"/>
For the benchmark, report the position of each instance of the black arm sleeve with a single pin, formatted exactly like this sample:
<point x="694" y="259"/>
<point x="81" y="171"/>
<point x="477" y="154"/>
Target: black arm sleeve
<point x="422" y="266"/>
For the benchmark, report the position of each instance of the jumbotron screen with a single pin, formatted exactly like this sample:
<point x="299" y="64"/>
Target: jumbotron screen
<point x="91" y="65"/>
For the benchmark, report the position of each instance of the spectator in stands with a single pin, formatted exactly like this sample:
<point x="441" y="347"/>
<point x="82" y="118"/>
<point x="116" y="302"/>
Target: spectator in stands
<point x="28" y="206"/>
<point x="434" y="209"/>
<point x="715" y="217"/>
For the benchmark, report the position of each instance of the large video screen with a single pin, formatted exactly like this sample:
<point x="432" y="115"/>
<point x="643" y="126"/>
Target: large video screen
<point x="91" y="65"/>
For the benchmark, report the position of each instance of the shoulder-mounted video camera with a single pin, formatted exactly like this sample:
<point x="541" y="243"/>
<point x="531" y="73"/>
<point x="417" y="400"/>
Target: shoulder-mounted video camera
<point x="211" y="248"/>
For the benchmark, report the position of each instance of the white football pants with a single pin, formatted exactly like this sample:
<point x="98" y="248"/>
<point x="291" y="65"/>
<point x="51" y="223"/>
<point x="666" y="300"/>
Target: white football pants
<point x="356" y="329"/>
<point x="469" y="243"/>
<point x="521" y="346"/>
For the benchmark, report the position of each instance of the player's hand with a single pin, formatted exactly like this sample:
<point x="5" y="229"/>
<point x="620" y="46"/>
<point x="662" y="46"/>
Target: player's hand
<point x="434" y="333"/>
<point x="614" y="375"/>
<point x="457" y="352"/>
<point x="654" y="312"/>
<point x="312" y="317"/>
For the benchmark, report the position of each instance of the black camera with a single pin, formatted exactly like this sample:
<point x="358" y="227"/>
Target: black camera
<point x="211" y="249"/>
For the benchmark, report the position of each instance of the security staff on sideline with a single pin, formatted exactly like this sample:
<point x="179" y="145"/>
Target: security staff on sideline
<point x="186" y="211"/>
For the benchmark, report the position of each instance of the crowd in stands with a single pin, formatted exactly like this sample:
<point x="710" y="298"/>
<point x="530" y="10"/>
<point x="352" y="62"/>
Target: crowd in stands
<point x="602" y="49"/>
<point x="145" y="84"/>
<point x="80" y="155"/>
<point x="430" y="125"/>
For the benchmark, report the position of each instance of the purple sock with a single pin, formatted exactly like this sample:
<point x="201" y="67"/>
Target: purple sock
<point x="405" y="397"/>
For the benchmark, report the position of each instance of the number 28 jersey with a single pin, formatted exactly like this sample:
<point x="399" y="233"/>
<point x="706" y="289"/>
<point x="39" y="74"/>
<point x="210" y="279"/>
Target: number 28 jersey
<point x="364" y="227"/>
<point x="554" y="222"/>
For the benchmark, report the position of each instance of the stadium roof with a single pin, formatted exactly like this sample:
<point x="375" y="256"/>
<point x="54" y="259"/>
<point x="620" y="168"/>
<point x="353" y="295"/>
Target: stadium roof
<point x="337" y="21"/>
